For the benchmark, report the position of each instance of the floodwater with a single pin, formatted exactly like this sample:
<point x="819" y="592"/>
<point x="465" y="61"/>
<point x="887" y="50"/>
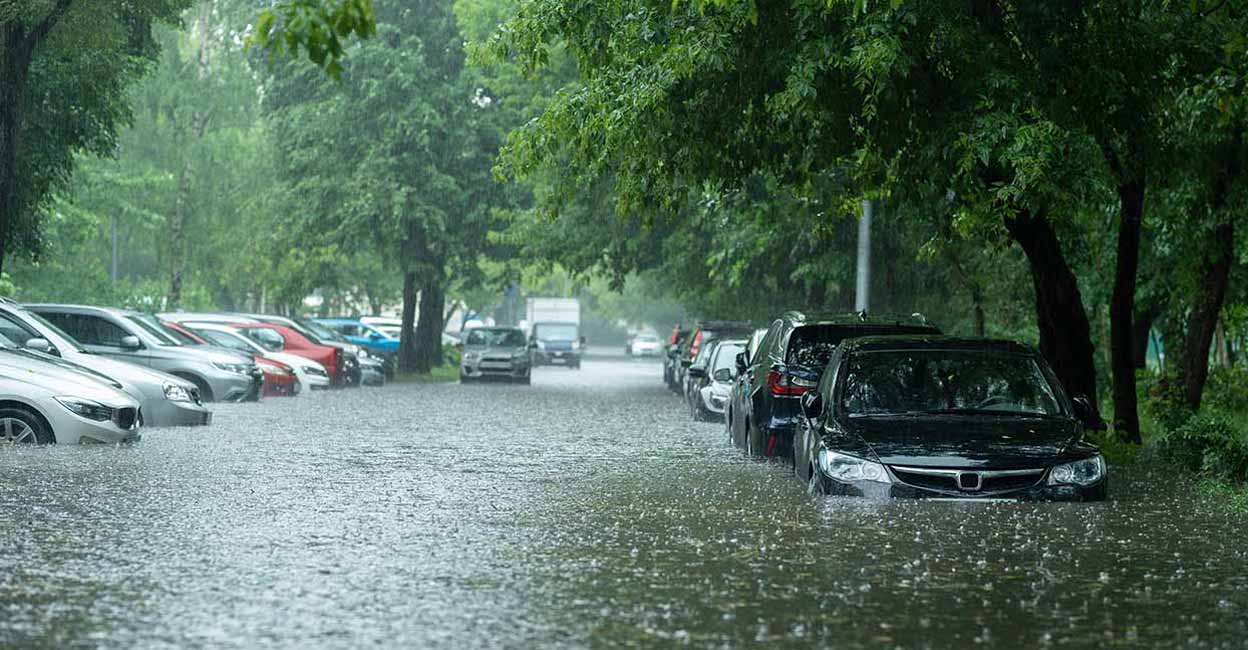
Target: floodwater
<point x="586" y="511"/>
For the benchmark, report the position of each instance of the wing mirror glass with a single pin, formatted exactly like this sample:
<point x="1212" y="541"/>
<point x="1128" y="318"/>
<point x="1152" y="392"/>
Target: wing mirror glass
<point x="812" y="404"/>
<point x="696" y="372"/>
<point x="1083" y="411"/>
<point x="723" y="375"/>
<point x="130" y="342"/>
<point x="741" y="363"/>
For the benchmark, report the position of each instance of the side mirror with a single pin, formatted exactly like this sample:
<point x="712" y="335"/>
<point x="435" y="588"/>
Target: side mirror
<point x="696" y="372"/>
<point x="130" y="343"/>
<point x="1083" y="411"/>
<point x="40" y="345"/>
<point x="742" y="363"/>
<point x="581" y="341"/>
<point x="374" y="336"/>
<point x="723" y="375"/>
<point x="812" y="404"/>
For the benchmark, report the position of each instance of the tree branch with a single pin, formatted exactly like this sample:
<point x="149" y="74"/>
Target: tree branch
<point x="45" y="26"/>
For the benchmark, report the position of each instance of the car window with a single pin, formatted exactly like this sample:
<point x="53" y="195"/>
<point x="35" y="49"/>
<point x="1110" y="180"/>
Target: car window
<point x="14" y="331"/>
<point x="769" y="339"/>
<point x="893" y="382"/>
<point x="271" y="340"/>
<point x="55" y="330"/>
<point x="704" y="353"/>
<point x="153" y="327"/>
<point x="726" y="356"/>
<point x="90" y="330"/>
<point x="226" y="340"/>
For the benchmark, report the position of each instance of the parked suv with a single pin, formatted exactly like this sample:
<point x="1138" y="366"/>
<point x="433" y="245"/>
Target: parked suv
<point x="124" y="335"/>
<point x="764" y="409"/>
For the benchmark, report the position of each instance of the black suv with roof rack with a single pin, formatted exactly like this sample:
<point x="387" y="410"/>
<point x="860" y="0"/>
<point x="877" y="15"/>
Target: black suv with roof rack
<point x="764" y="408"/>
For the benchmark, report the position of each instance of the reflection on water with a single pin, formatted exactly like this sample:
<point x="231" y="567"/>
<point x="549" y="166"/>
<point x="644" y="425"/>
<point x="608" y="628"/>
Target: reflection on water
<point x="583" y="512"/>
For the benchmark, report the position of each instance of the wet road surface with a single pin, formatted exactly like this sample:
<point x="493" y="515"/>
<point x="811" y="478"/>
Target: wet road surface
<point x="587" y="511"/>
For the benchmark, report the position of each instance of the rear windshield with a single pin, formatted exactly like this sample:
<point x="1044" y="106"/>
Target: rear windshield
<point x="812" y="345"/>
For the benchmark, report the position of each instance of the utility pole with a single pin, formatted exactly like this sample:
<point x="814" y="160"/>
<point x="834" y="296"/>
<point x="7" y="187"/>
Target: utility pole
<point x="113" y="267"/>
<point x="862" y="297"/>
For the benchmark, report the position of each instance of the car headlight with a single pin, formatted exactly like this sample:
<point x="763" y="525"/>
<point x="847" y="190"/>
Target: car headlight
<point x="176" y="393"/>
<point x="472" y="357"/>
<point x="576" y="345"/>
<point x="541" y="345"/>
<point x="86" y="408"/>
<point x="519" y="356"/>
<point x="1081" y="472"/>
<point x="851" y="469"/>
<point x="236" y="368"/>
<point x="314" y="371"/>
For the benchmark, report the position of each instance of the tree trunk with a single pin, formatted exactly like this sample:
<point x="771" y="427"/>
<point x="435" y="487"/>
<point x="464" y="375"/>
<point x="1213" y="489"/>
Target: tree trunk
<point x="1140" y="327"/>
<point x="407" y="332"/>
<point x="1065" y="335"/>
<point x="1122" y="309"/>
<point x="178" y="242"/>
<point x="429" y="329"/>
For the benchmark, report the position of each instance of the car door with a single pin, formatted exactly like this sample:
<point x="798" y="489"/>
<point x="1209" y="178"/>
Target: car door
<point x="755" y="374"/>
<point x="100" y="335"/>
<point x="807" y="443"/>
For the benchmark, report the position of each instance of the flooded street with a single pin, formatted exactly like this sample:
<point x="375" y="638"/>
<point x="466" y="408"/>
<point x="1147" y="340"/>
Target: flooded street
<point x="584" y="511"/>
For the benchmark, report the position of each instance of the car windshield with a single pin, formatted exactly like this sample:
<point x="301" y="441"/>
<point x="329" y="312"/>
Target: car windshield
<point x="229" y="340"/>
<point x="55" y="330"/>
<point x="555" y="331"/>
<point x="153" y="327"/>
<point x="919" y="382"/>
<point x="181" y="337"/>
<point x="390" y="330"/>
<point x="502" y="338"/>
<point x="315" y="332"/>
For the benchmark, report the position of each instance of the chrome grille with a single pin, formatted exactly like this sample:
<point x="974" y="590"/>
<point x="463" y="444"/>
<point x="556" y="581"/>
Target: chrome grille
<point x="970" y="481"/>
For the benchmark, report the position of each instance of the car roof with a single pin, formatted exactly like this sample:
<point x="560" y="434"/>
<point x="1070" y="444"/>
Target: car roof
<point x="952" y="343"/>
<point x="798" y="317"/>
<point x="82" y="309"/>
<point x="719" y="325"/>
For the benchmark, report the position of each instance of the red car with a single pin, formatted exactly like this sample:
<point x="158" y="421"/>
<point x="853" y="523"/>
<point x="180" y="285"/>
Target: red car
<point x="279" y="378"/>
<point x="280" y="338"/>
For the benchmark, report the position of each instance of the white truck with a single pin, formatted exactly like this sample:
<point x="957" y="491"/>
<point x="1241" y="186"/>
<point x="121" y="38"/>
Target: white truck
<point x="555" y="329"/>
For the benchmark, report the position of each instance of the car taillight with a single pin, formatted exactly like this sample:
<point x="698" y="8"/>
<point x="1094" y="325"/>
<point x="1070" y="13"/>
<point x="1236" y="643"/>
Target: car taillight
<point x="695" y="344"/>
<point x="675" y="336"/>
<point x="784" y="385"/>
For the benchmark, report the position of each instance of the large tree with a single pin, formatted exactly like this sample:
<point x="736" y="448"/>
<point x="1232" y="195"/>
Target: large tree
<point x="64" y="69"/>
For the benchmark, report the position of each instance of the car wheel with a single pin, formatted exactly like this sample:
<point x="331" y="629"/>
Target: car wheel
<point x="816" y="486"/>
<point x="21" y="427"/>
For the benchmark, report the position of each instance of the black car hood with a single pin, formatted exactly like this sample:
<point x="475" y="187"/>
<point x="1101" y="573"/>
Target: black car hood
<point x="966" y="441"/>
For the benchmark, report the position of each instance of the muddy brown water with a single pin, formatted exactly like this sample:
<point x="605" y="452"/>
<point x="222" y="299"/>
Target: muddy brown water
<point x="586" y="511"/>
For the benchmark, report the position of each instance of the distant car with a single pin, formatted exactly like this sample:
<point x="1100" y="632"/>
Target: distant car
<point x="364" y="335"/>
<point x="713" y="381"/>
<point x="309" y="373"/>
<point x="643" y="345"/>
<point x="365" y="368"/>
<point x="672" y="353"/>
<point x="42" y="402"/>
<point x="137" y="338"/>
<point x="166" y="400"/>
<point x="704" y="333"/>
<point x="496" y="353"/>
<point x="764" y="409"/>
<point x="946" y="418"/>
<point x="279" y="338"/>
<point x="557" y="343"/>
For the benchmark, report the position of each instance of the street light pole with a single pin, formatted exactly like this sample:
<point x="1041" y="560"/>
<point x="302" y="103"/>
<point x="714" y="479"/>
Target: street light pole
<point x="862" y="297"/>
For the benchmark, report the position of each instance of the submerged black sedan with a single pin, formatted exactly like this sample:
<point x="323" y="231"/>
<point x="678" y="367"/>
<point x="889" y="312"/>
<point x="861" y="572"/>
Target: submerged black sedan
<point x="939" y="417"/>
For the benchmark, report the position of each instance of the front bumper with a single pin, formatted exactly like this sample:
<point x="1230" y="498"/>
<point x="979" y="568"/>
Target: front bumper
<point x="233" y="387"/>
<point x="499" y="369"/>
<point x="557" y="358"/>
<point x="70" y="429"/>
<point x="164" y="413"/>
<point x="1039" y="492"/>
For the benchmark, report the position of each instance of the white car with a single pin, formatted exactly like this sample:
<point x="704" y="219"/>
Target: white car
<point x="167" y="401"/>
<point x="644" y="345"/>
<point x="44" y="403"/>
<point x="309" y="373"/>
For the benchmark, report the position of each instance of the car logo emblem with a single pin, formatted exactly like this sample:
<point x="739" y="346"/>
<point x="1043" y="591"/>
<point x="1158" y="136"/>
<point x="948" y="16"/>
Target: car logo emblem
<point x="970" y="481"/>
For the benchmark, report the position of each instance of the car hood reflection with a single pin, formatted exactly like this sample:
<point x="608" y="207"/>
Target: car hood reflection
<point x="972" y="442"/>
